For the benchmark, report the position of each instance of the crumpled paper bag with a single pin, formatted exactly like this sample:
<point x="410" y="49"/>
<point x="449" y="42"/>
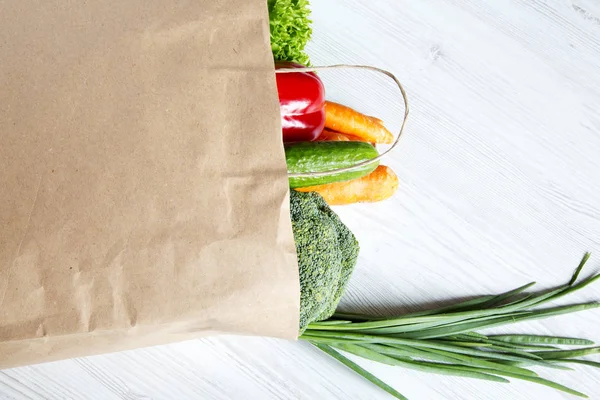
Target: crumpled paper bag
<point x="144" y="189"/>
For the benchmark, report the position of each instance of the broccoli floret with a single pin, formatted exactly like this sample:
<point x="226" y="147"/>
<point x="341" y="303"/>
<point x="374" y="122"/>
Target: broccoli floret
<point x="327" y="254"/>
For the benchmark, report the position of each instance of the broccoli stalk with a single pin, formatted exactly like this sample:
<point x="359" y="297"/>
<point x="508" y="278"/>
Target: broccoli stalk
<point x="327" y="254"/>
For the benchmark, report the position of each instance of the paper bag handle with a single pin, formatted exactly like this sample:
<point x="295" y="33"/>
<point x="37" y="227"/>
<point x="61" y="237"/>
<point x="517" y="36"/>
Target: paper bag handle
<point x="372" y="160"/>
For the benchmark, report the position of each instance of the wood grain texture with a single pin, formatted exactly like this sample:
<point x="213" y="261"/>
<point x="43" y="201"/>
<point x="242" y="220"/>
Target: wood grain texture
<point x="500" y="185"/>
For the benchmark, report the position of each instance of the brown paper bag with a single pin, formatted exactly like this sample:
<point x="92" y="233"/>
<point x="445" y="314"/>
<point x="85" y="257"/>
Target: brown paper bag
<point x="144" y="189"/>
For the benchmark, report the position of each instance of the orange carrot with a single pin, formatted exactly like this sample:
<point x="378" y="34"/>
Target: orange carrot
<point x="329" y="135"/>
<point x="377" y="186"/>
<point x="375" y="119"/>
<point x="346" y="120"/>
<point x="333" y="136"/>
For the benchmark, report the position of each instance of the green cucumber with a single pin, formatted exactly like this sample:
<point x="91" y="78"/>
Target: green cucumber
<point x="325" y="156"/>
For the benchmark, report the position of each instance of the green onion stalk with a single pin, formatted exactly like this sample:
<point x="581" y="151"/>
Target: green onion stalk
<point x="446" y="341"/>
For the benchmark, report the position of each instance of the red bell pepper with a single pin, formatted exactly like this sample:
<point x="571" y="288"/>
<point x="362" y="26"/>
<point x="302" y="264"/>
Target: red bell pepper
<point x="302" y="103"/>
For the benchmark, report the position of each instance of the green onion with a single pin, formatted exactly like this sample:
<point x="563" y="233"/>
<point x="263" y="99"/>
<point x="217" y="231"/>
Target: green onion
<point x="519" y="339"/>
<point x="359" y="370"/>
<point x="444" y="341"/>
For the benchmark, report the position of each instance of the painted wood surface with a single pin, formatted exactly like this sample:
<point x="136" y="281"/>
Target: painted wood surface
<point x="500" y="186"/>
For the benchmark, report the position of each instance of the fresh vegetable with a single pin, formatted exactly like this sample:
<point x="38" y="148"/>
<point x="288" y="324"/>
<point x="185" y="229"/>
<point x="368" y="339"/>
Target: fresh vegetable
<point x="375" y="119"/>
<point x="326" y="156"/>
<point x="377" y="186"/>
<point x="445" y="341"/>
<point x="442" y="341"/>
<point x="327" y="253"/>
<point x="333" y="136"/>
<point x="290" y="29"/>
<point x="302" y="104"/>
<point x="343" y="119"/>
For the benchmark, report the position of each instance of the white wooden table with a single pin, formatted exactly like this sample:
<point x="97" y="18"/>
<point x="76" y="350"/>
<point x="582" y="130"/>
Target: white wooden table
<point x="500" y="172"/>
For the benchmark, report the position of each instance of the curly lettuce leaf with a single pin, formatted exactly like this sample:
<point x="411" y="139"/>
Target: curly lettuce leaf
<point x="290" y="29"/>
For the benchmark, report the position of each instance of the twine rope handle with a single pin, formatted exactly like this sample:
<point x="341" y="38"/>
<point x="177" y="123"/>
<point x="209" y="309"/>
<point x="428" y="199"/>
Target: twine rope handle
<point x="372" y="160"/>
